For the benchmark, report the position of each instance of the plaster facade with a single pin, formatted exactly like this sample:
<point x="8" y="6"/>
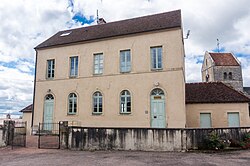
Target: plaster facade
<point x="140" y="81"/>
<point x="218" y="113"/>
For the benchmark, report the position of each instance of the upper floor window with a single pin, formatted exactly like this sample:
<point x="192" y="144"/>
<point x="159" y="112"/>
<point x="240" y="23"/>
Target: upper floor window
<point x="225" y="75"/>
<point x="97" y="102"/>
<point x="125" y="61"/>
<point x="98" y="63"/>
<point x="156" y="57"/>
<point x="125" y="102"/>
<point x="72" y="108"/>
<point x="230" y="76"/>
<point x="73" y="66"/>
<point x="51" y="68"/>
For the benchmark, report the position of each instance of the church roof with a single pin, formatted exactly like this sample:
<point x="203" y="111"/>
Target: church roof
<point x="224" y="59"/>
<point x="213" y="92"/>
<point x="149" y="23"/>
<point x="27" y="109"/>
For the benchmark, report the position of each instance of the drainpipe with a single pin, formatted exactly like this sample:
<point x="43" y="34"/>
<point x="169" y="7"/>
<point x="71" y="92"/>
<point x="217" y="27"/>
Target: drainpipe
<point x="34" y="92"/>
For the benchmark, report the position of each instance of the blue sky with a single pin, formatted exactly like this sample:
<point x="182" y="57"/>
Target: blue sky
<point x="25" y="24"/>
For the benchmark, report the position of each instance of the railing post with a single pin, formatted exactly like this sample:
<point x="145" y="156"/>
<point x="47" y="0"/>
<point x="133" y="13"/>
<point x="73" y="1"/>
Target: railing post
<point x="39" y="136"/>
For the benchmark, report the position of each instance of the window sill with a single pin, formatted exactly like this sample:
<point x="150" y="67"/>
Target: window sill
<point x="157" y="69"/>
<point x="71" y="114"/>
<point x="48" y="79"/>
<point x="98" y="74"/>
<point x="125" y="113"/>
<point x="124" y="72"/>
<point x="96" y="113"/>
<point x="72" y="77"/>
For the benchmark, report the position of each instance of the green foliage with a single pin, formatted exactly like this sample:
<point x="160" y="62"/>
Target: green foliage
<point x="215" y="142"/>
<point x="245" y="144"/>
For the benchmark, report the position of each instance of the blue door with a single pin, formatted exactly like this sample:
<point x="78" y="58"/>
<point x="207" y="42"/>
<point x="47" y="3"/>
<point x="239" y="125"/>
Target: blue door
<point x="48" y="112"/>
<point x="157" y="110"/>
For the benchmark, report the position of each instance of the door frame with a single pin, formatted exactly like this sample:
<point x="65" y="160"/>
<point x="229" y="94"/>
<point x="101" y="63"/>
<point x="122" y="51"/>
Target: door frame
<point x="45" y="101"/>
<point x="164" y="105"/>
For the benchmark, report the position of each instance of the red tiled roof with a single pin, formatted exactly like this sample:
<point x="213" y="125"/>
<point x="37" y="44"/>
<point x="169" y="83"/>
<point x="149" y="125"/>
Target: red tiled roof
<point x="27" y="109"/>
<point x="224" y="59"/>
<point x="213" y="92"/>
<point x="119" y="28"/>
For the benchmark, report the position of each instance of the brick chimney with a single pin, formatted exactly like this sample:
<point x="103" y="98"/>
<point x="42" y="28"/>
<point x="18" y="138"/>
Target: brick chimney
<point x="101" y="21"/>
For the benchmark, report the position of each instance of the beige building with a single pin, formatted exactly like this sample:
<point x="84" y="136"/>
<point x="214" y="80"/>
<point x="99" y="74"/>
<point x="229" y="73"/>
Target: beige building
<point x="215" y="104"/>
<point x="127" y="73"/>
<point x="27" y="117"/>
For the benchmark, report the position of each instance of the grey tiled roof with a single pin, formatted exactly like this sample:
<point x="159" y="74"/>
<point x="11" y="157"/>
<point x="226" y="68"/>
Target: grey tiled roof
<point x="149" y="23"/>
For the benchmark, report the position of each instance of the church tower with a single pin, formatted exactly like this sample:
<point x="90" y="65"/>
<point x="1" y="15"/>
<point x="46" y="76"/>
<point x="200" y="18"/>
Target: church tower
<point x="222" y="67"/>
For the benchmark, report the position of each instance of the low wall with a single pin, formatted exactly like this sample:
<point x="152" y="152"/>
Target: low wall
<point x="145" y="139"/>
<point x="126" y="139"/>
<point x="2" y="137"/>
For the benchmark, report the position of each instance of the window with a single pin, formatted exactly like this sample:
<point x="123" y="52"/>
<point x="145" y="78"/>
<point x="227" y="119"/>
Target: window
<point x="73" y="66"/>
<point x="97" y="102"/>
<point x="72" y="103"/>
<point x="207" y="78"/>
<point x="51" y="68"/>
<point x="156" y="57"/>
<point x="125" y="61"/>
<point x="125" y="102"/>
<point x="225" y="76"/>
<point x="230" y="76"/>
<point x="233" y="119"/>
<point x="205" y="120"/>
<point x="98" y="63"/>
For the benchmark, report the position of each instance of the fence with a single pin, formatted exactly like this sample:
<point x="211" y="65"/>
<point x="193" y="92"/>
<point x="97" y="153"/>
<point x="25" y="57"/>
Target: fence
<point x="13" y="133"/>
<point x="49" y="136"/>
<point x="146" y="139"/>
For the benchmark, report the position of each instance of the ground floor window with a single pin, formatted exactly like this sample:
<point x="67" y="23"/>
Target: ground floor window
<point x="125" y="102"/>
<point x="97" y="102"/>
<point x="205" y="120"/>
<point x="72" y="108"/>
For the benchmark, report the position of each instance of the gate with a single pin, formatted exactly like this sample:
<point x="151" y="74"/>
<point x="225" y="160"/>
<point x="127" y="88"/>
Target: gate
<point x="16" y="133"/>
<point x="49" y="136"/>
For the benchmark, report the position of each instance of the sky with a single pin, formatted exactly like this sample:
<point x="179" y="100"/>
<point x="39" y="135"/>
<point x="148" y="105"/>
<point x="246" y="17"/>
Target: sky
<point x="26" y="23"/>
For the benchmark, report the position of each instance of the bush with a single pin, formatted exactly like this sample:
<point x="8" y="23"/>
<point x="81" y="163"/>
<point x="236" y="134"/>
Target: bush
<point x="245" y="144"/>
<point x="214" y="142"/>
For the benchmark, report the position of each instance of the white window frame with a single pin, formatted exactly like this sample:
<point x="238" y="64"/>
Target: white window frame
<point x="98" y="63"/>
<point x="97" y="101"/>
<point x="50" y="74"/>
<point x="155" y="57"/>
<point x="124" y="104"/>
<point x="72" y="99"/>
<point x="73" y="66"/>
<point x="126" y="65"/>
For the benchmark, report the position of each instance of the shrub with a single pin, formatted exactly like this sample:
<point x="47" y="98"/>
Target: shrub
<point x="215" y="142"/>
<point x="245" y="144"/>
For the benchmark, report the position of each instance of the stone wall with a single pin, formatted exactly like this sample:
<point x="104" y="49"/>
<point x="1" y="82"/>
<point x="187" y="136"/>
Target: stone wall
<point x="236" y="81"/>
<point x="2" y="137"/>
<point x="145" y="139"/>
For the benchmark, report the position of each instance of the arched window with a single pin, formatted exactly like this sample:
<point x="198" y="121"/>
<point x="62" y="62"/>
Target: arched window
<point x="125" y="102"/>
<point x="72" y="108"/>
<point x="157" y="92"/>
<point x="49" y="97"/>
<point x="97" y="102"/>
<point x="225" y="76"/>
<point x="207" y="78"/>
<point x="230" y="76"/>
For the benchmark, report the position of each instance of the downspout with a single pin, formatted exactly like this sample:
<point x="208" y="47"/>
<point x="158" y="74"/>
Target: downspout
<point x="34" y="92"/>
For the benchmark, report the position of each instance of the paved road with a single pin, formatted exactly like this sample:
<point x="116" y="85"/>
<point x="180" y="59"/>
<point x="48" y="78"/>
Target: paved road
<point x="44" y="157"/>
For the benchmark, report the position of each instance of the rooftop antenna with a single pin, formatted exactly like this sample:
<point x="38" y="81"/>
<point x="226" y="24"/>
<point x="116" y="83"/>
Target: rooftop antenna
<point x="97" y="16"/>
<point x="188" y="33"/>
<point x="218" y="45"/>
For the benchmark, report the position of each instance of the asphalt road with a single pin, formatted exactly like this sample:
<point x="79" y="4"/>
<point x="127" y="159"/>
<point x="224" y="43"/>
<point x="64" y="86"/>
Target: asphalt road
<point x="33" y="156"/>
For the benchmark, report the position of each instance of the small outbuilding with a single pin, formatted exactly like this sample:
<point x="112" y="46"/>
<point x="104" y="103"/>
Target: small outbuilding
<point x="27" y="116"/>
<point x="215" y="104"/>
